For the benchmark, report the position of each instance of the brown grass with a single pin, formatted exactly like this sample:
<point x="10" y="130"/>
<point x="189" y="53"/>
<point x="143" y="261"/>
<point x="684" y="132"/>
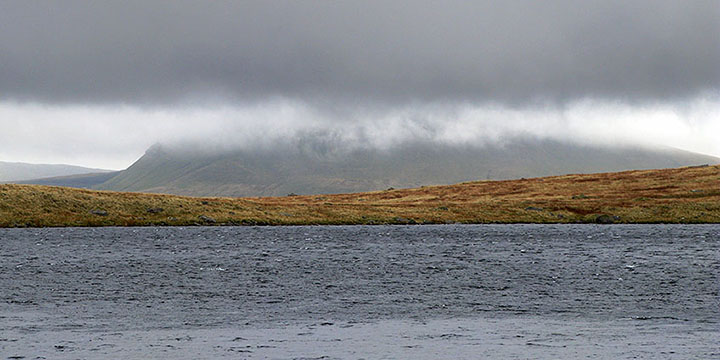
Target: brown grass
<point x="684" y="195"/>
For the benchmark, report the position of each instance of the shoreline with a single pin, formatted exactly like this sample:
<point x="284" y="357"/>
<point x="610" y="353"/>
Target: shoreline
<point x="689" y="195"/>
<point x="20" y="226"/>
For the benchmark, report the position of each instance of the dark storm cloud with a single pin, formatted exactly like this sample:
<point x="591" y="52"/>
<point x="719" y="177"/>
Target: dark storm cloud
<point x="155" y="52"/>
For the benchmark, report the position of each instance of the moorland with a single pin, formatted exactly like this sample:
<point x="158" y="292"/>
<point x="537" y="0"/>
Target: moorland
<point x="679" y="195"/>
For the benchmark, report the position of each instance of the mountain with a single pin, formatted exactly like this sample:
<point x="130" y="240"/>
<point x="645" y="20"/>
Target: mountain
<point x="12" y="171"/>
<point x="314" y="167"/>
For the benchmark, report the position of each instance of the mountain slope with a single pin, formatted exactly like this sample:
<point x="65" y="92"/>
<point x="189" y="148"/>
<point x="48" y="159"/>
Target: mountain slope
<point x="12" y="171"/>
<point x="314" y="168"/>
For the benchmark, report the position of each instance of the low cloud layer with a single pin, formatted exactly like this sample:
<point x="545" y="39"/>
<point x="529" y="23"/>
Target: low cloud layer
<point x="97" y="82"/>
<point x="112" y="136"/>
<point x="358" y="52"/>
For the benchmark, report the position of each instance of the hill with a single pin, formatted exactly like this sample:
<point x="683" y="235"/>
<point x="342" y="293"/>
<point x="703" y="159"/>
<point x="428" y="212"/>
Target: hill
<point x="13" y="171"/>
<point x="315" y="167"/>
<point x="85" y="181"/>
<point x="684" y="195"/>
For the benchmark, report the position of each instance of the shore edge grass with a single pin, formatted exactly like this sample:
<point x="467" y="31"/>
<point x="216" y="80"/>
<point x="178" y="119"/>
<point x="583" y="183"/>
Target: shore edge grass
<point x="689" y="195"/>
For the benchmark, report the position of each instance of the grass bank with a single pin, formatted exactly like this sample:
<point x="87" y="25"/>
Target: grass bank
<point x="683" y="195"/>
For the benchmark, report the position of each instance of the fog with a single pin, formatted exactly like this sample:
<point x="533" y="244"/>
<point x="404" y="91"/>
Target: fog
<point x="96" y="83"/>
<point x="114" y="136"/>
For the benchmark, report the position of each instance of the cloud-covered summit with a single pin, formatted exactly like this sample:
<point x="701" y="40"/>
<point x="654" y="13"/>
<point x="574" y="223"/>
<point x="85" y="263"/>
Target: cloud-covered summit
<point x="369" y="52"/>
<point x="97" y="82"/>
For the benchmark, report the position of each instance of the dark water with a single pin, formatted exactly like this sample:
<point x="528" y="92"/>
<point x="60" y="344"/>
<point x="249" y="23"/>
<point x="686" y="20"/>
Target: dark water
<point x="508" y="291"/>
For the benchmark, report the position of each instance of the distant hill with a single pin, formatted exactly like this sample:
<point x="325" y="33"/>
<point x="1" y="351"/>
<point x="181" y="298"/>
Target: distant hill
<point x="314" y="167"/>
<point x="85" y="181"/>
<point x="13" y="171"/>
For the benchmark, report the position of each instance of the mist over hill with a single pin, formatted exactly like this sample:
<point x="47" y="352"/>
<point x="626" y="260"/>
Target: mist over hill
<point x="249" y="73"/>
<point x="317" y="167"/>
<point x="14" y="171"/>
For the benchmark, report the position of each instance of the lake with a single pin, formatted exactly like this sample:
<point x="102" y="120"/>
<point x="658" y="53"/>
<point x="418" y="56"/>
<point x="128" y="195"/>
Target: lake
<point x="361" y="292"/>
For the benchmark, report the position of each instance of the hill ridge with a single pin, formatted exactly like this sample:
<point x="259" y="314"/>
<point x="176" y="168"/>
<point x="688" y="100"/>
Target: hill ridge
<point x="20" y="171"/>
<point x="294" y="168"/>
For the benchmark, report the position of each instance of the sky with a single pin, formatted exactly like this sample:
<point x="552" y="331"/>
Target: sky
<point x="97" y="83"/>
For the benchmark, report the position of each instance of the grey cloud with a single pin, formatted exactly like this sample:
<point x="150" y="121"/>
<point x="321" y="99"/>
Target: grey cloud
<point x="513" y="52"/>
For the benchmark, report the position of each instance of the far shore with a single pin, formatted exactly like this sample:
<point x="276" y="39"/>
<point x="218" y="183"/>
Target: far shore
<point x="689" y="195"/>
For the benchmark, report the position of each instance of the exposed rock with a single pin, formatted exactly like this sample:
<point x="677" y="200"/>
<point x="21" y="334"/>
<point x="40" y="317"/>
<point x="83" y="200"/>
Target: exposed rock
<point x="532" y="208"/>
<point x="401" y="220"/>
<point x="99" y="212"/>
<point x="207" y="219"/>
<point x="155" y="210"/>
<point x="606" y="219"/>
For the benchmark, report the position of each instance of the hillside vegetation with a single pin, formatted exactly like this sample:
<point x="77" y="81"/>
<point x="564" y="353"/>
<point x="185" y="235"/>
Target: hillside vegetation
<point x="683" y="195"/>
